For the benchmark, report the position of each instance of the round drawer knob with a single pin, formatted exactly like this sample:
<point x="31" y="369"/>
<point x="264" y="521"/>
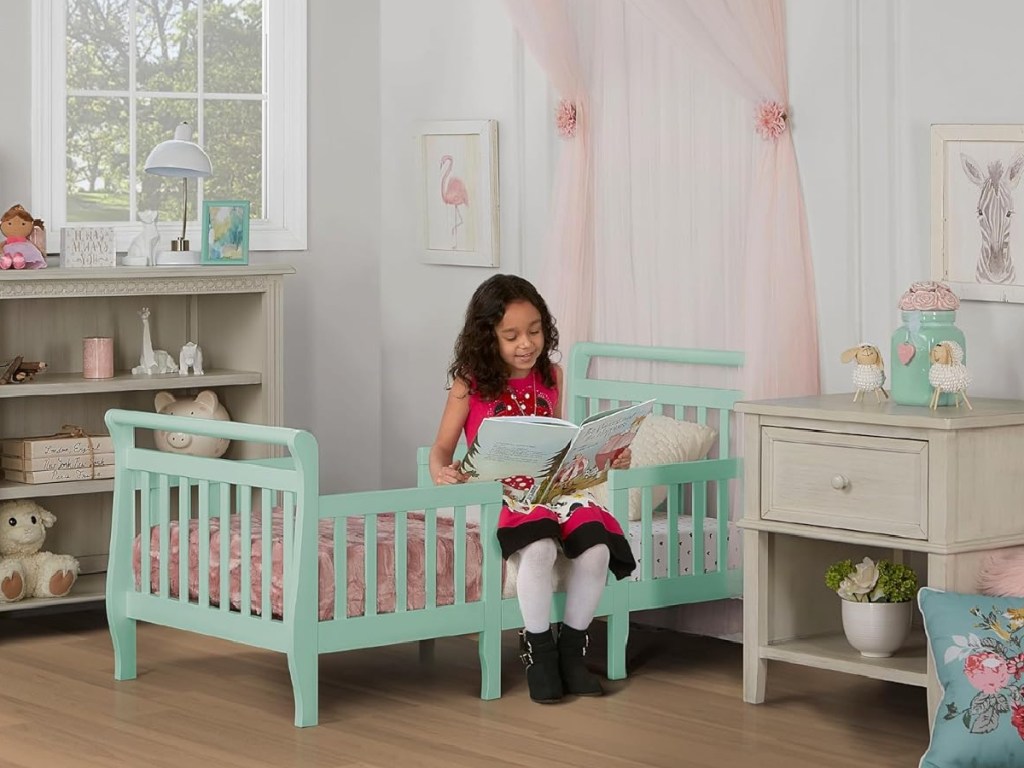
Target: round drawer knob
<point x="840" y="483"/>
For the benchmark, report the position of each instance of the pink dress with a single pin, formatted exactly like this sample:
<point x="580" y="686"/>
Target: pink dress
<point x="575" y="520"/>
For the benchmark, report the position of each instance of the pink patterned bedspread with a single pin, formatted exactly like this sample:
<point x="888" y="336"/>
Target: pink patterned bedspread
<point x="416" y="594"/>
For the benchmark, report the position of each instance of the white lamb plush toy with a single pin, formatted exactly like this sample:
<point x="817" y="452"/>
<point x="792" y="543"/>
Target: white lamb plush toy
<point x="24" y="570"/>
<point x="869" y="373"/>
<point x="948" y="373"/>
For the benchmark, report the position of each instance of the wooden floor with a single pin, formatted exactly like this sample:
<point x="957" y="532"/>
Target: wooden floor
<point x="199" y="702"/>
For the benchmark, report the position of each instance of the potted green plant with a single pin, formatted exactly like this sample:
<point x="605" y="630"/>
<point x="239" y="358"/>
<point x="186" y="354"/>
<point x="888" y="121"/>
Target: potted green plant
<point x="877" y="600"/>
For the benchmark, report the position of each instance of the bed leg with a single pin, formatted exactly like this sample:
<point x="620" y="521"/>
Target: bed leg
<point x="427" y="651"/>
<point x="489" y="647"/>
<point x="304" y="669"/>
<point x="122" y="632"/>
<point x="618" y="637"/>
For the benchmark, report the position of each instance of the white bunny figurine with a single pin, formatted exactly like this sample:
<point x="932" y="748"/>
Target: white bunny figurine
<point x="869" y="373"/>
<point x="142" y="249"/>
<point x="948" y="373"/>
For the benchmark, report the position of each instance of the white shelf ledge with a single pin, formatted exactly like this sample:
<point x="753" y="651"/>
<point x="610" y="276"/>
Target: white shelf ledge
<point x="90" y="588"/>
<point x="12" y="490"/>
<point x="909" y="665"/>
<point x="123" y="381"/>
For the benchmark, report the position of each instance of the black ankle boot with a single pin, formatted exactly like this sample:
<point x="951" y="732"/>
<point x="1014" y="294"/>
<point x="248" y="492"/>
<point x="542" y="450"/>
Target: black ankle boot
<point x="572" y="652"/>
<point x="540" y="656"/>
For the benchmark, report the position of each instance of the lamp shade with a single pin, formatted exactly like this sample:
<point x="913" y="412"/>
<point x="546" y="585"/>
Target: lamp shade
<point x="179" y="157"/>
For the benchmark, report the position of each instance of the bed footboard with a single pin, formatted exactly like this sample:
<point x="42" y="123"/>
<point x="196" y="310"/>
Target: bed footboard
<point x="289" y="553"/>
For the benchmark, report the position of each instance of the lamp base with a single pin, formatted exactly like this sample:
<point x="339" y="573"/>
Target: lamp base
<point x="177" y="258"/>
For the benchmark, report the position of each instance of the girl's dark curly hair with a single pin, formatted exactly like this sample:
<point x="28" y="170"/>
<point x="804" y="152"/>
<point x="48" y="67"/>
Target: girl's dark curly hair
<point x="477" y="359"/>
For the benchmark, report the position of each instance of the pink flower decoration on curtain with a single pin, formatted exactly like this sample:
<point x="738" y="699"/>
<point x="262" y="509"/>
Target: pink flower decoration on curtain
<point x="770" y="120"/>
<point x="565" y="118"/>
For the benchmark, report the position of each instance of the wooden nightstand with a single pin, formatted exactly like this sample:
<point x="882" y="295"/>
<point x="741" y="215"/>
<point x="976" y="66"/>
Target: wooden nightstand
<point x="827" y="478"/>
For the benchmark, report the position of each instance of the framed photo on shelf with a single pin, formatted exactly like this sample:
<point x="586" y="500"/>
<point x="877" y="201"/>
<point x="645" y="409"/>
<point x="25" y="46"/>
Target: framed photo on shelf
<point x="457" y="192"/>
<point x="225" y="232"/>
<point x="977" y="242"/>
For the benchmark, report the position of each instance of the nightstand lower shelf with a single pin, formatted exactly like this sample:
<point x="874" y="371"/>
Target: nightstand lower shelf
<point x="909" y="665"/>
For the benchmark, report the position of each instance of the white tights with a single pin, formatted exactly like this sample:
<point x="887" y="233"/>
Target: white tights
<point x="535" y="585"/>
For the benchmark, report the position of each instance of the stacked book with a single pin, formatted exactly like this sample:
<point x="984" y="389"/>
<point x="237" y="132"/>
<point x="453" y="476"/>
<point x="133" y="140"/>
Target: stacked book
<point x="57" y="458"/>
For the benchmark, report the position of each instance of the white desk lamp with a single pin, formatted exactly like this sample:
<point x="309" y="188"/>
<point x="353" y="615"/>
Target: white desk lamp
<point x="182" y="158"/>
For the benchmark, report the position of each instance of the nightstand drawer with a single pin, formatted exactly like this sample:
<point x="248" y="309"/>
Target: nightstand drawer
<point x="854" y="482"/>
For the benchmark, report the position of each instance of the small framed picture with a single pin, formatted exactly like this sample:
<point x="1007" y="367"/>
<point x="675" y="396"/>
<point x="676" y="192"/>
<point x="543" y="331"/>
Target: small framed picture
<point x="225" y="232"/>
<point x="457" y="188"/>
<point x="977" y="246"/>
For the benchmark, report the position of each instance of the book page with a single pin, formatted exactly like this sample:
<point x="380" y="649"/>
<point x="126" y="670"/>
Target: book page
<point x="600" y="440"/>
<point x="512" y="447"/>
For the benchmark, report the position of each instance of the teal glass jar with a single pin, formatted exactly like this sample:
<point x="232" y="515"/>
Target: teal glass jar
<point x="921" y="330"/>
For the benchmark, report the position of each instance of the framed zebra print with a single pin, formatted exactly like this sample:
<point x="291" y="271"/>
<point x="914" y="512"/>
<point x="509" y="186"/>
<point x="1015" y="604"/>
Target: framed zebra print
<point x="977" y="242"/>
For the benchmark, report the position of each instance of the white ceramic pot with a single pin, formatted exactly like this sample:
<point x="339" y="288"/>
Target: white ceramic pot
<point x="877" y="630"/>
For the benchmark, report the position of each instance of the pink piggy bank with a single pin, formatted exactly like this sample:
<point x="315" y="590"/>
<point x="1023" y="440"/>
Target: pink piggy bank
<point x="204" y="406"/>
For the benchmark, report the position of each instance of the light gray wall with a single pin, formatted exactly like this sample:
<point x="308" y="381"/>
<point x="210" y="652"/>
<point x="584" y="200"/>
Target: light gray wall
<point x="867" y="80"/>
<point x="332" y="304"/>
<point x="448" y="60"/>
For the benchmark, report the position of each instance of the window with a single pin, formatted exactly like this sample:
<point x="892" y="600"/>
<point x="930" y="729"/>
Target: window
<point x="112" y="79"/>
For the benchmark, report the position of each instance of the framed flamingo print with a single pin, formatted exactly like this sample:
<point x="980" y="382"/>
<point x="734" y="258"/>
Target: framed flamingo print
<point x="977" y="242"/>
<point x="457" y="189"/>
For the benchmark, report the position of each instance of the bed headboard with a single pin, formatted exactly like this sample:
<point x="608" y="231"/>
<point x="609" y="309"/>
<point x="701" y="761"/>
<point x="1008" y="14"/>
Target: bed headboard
<point x="706" y="405"/>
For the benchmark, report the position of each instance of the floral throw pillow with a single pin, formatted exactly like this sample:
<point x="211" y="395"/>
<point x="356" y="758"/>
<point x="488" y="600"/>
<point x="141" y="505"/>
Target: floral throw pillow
<point x="977" y="642"/>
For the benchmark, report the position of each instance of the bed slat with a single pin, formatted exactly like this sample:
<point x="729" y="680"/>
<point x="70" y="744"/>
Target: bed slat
<point x="370" y="566"/>
<point x="699" y="508"/>
<point x="244" y="505"/>
<point x="184" y="550"/>
<point x="266" y="552"/>
<point x="204" y="543"/>
<point x="163" y="512"/>
<point x="430" y="558"/>
<point x="675" y="505"/>
<point x="146" y="532"/>
<point x="340" y="567"/>
<point x="459" y="564"/>
<point x="401" y="561"/>
<point x="224" y="515"/>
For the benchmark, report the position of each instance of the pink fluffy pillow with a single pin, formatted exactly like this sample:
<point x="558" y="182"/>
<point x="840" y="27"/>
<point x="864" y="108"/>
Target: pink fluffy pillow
<point x="1002" y="573"/>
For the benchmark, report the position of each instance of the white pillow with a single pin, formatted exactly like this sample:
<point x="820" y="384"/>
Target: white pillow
<point x="662" y="440"/>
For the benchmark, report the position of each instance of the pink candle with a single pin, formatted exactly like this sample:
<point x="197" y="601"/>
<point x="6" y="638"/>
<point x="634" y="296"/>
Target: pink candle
<point x="98" y="357"/>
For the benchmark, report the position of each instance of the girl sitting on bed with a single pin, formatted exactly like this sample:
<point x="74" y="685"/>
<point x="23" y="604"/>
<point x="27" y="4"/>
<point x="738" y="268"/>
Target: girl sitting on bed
<point x="502" y="367"/>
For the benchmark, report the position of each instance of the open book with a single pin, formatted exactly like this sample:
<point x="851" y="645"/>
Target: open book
<point x="545" y="457"/>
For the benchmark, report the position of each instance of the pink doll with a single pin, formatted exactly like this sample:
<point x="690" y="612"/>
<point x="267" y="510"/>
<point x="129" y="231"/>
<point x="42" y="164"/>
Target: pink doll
<point x="22" y="233"/>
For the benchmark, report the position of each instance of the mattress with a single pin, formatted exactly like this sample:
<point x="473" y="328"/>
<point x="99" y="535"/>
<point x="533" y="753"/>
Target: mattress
<point x="659" y="530"/>
<point x="386" y="594"/>
<point x="356" y="547"/>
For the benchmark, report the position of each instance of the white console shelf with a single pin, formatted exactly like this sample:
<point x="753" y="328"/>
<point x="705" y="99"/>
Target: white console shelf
<point x="233" y="313"/>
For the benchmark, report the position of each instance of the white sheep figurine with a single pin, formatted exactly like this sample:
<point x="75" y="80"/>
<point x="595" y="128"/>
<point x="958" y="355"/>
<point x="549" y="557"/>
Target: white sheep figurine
<point x="869" y="373"/>
<point x="948" y="373"/>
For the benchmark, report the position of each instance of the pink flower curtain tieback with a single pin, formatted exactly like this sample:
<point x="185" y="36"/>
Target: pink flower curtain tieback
<point x="770" y="120"/>
<point x="565" y="118"/>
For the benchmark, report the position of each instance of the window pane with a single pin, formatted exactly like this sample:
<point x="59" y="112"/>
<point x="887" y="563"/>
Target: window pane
<point x="97" y="159"/>
<point x="156" y="121"/>
<point x="166" y="45"/>
<point x="233" y="46"/>
<point x="234" y="141"/>
<point x="97" y="42"/>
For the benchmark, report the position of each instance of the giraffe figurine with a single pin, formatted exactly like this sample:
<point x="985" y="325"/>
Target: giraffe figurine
<point x="152" y="360"/>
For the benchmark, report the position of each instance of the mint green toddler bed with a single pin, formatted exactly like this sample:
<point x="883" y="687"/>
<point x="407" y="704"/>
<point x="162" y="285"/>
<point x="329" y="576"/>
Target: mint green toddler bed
<point x="695" y="497"/>
<point x="232" y="495"/>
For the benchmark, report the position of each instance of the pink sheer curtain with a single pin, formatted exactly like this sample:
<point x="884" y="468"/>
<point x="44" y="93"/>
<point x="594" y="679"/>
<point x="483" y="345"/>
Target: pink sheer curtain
<point x="568" y="280"/>
<point x="743" y="42"/>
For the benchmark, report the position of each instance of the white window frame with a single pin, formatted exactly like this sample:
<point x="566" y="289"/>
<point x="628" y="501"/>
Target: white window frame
<point x="283" y="227"/>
